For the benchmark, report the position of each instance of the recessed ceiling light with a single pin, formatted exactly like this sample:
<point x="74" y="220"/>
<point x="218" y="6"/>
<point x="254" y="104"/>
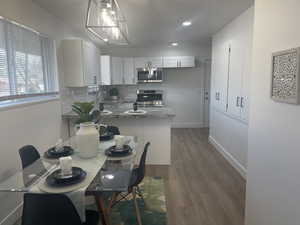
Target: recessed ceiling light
<point x="105" y="39"/>
<point x="174" y="44"/>
<point x="186" y="23"/>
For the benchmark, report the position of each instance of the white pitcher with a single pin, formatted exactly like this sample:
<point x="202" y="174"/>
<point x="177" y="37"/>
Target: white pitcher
<point x="87" y="139"/>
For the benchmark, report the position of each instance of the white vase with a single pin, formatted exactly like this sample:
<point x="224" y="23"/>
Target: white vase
<point x="87" y="139"/>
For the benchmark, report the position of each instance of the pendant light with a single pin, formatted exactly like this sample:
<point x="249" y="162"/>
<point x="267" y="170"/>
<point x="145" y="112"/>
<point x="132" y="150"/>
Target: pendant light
<point x="105" y="20"/>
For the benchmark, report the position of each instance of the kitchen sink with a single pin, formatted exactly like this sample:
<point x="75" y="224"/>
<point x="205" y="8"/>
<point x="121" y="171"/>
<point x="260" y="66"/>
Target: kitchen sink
<point x="106" y="112"/>
<point x="137" y="112"/>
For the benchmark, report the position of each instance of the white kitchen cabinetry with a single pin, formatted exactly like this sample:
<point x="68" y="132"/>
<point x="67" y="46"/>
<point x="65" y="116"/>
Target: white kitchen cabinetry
<point x="128" y="71"/>
<point x="178" y="61"/>
<point x="143" y="62"/>
<point x="231" y="66"/>
<point x="81" y="63"/>
<point x="117" y="70"/>
<point x="105" y="70"/>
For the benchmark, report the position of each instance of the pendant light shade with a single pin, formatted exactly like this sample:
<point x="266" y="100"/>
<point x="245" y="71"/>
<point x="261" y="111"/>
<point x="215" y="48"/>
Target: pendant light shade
<point x="105" y="20"/>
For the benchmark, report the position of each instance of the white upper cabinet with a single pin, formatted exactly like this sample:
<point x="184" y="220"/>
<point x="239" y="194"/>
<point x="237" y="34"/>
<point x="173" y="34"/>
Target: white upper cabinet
<point x="186" y="61"/>
<point x="91" y="63"/>
<point x="142" y="62"/>
<point x="156" y="62"/>
<point x="117" y="71"/>
<point x="178" y="61"/>
<point x="128" y="72"/>
<point x="170" y="62"/>
<point x="81" y="63"/>
<point x="105" y="70"/>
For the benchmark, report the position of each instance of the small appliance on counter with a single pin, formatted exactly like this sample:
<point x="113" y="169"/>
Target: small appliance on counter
<point x="150" y="98"/>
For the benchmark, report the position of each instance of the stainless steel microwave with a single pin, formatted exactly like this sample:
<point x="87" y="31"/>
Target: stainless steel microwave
<point x="151" y="75"/>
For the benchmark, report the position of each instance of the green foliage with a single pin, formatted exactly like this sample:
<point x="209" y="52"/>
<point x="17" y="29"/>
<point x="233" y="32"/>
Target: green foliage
<point x="84" y="111"/>
<point x="114" y="92"/>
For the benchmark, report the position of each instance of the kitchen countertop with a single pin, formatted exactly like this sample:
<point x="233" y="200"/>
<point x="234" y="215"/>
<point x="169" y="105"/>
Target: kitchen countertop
<point x="118" y="112"/>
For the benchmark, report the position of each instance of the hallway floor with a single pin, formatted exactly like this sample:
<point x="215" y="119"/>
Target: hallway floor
<point x="201" y="186"/>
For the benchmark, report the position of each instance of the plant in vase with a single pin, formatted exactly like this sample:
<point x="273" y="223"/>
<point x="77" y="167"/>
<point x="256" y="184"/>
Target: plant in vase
<point x="87" y="135"/>
<point x="85" y="112"/>
<point x="114" y="93"/>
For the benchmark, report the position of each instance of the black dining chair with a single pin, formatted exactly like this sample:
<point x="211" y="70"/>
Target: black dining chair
<point x="137" y="177"/>
<point x="113" y="129"/>
<point x="29" y="155"/>
<point x="53" y="209"/>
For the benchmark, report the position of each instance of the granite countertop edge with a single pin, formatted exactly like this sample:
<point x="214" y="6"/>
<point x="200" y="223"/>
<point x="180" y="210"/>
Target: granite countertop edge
<point x="155" y="113"/>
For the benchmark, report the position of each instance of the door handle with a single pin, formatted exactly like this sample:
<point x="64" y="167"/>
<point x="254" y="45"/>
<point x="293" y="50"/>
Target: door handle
<point x="237" y="101"/>
<point x="242" y="102"/>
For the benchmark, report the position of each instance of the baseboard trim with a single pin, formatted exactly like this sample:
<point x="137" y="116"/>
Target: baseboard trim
<point x="230" y="158"/>
<point x="13" y="216"/>
<point x="187" y="125"/>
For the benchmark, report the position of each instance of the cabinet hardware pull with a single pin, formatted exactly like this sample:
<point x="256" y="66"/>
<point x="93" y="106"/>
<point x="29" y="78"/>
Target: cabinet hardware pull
<point x="242" y="102"/>
<point x="237" y="101"/>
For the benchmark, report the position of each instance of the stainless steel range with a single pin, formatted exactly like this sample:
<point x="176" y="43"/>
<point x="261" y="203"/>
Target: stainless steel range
<point x="150" y="98"/>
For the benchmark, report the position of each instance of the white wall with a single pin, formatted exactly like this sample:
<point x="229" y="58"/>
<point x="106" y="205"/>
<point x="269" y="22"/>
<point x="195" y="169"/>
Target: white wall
<point x="273" y="187"/>
<point x="38" y="124"/>
<point x="184" y="88"/>
<point x="229" y="133"/>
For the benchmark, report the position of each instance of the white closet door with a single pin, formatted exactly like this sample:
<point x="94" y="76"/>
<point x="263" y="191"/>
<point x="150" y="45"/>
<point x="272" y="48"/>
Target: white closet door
<point x="236" y="67"/>
<point x="247" y="70"/>
<point x="220" y="62"/>
<point x="117" y="70"/>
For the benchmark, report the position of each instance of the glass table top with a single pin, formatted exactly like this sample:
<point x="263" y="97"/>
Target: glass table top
<point x="110" y="176"/>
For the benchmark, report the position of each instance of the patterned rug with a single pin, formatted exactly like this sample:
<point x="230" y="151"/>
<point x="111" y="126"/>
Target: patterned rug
<point x="153" y="210"/>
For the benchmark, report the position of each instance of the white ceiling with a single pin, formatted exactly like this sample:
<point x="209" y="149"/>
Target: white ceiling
<point x="158" y="22"/>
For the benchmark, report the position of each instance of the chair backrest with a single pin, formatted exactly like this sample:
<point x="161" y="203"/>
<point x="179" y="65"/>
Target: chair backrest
<point x="28" y="155"/>
<point x="49" y="209"/>
<point x="142" y="166"/>
<point x="113" y="129"/>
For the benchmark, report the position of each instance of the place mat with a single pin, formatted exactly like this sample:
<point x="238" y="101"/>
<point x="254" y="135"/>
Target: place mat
<point x="43" y="186"/>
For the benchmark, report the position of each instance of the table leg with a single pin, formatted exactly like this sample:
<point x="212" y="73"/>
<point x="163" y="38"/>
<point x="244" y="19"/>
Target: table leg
<point x="103" y="210"/>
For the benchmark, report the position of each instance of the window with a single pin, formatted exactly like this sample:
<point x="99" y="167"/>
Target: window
<point x="27" y="62"/>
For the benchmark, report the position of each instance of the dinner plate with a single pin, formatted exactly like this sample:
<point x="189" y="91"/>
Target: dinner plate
<point x="107" y="136"/>
<point x="53" y="154"/>
<point x="56" y="179"/>
<point x="115" y="152"/>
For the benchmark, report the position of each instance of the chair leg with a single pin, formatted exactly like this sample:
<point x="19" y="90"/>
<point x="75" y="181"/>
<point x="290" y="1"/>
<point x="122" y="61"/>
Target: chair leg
<point x="103" y="210"/>
<point x="137" y="210"/>
<point x="140" y="193"/>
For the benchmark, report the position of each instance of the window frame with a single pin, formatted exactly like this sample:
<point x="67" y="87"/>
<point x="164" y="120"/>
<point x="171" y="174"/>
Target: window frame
<point x="55" y="92"/>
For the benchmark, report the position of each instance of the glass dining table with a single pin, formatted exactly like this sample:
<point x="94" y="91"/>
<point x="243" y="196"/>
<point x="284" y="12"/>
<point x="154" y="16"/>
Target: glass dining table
<point x="106" y="176"/>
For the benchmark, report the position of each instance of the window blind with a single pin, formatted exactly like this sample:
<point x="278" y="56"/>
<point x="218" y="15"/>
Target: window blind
<point x="27" y="62"/>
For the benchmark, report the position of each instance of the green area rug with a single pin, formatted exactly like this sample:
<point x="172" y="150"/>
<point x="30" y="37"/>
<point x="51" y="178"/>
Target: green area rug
<point x="153" y="210"/>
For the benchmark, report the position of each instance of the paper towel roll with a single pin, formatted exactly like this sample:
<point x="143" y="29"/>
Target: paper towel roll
<point x="66" y="165"/>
